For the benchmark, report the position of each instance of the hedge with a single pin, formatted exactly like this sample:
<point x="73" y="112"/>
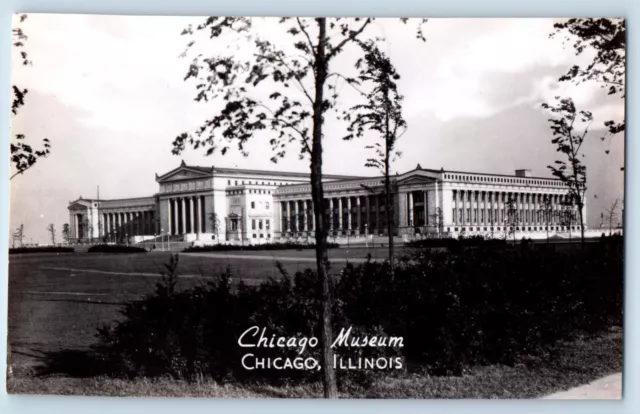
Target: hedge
<point x="458" y="309"/>
<point x="266" y="246"/>
<point x="452" y="243"/>
<point x="44" y="249"/>
<point x="115" y="248"/>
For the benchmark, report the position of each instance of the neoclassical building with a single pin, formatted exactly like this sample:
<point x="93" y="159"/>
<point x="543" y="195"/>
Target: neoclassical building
<point x="218" y="205"/>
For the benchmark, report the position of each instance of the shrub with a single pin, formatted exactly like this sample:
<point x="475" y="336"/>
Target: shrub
<point x="115" y="248"/>
<point x="456" y="244"/>
<point x="266" y="246"/>
<point x="44" y="249"/>
<point x="454" y="309"/>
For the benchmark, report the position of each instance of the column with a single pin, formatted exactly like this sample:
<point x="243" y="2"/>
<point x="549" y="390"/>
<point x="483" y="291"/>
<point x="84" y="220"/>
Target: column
<point x="203" y="215"/>
<point x="367" y="201"/>
<point x="359" y="215"/>
<point x="349" y="214"/>
<point x="285" y="215"/>
<point x="425" y="209"/>
<point x="305" y="211"/>
<point x="199" y="212"/>
<point x="296" y="215"/>
<point x="463" y="207"/>
<point x="191" y="216"/>
<point x="454" y="207"/>
<point x="410" y="207"/>
<point x="485" y="208"/>
<point x="174" y="203"/>
<point x="183" y="206"/>
<point x="340" y="214"/>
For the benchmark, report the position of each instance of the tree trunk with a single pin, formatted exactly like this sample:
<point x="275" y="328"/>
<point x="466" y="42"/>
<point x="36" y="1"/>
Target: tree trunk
<point x="387" y="185"/>
<point x="580" y="207"/>
<point x="317" y="193"/>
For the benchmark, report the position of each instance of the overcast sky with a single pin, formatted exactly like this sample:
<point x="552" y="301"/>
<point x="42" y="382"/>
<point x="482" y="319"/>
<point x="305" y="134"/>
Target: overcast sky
<point x="108" y="91"/>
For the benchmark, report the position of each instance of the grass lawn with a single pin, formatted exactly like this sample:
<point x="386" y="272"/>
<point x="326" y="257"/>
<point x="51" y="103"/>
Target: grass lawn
<point x="56" y="301"/>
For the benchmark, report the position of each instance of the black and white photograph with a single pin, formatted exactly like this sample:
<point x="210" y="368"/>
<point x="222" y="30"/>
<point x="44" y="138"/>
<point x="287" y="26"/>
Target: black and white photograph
<point x="311" y="207"/>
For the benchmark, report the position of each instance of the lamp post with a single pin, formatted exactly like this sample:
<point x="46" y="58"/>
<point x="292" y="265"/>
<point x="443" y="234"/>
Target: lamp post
<point x="366" y="235"/>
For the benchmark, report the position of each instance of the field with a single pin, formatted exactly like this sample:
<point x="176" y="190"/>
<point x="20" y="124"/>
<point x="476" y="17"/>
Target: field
<point x="56" y="302"/>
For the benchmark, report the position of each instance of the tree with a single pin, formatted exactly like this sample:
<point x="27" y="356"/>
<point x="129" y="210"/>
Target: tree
<point x="569" y="131"/>
<point x="52" y="231"/>
<point x="438" y="218"/>
<point x="23" y="156"/>
<point x="382" y="115"/>
<point x="19" y="234"/>
<point x="607" y="38"/>
<point x="567" y="215"/>
<point x="291" y="115"/>
<point x="66" y="232"/>
<point x="215" y="223"/>
<point x="612" y="213"/>
<point x="513" y="218"/>
<point x="546" y="213"/>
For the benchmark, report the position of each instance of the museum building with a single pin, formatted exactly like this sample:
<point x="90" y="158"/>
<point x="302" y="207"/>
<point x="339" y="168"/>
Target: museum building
<point x="217" y="205"/>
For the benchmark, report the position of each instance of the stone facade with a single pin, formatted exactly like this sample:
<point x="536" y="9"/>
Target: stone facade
<point x="210" y="204"/>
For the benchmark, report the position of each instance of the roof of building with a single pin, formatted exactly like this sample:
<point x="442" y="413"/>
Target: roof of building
<point x="228" y="170"/>
<point x="117" y="202"/>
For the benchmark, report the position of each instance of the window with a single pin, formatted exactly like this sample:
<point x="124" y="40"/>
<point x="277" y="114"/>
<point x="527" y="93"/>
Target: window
<point x="267" y="224"/>
<point x="228" y="182"/>
<point x="236" y="182"/>
<point x="253" y="204"/>
<point x="254" y="235"/>
<point x="260" y="225"/>
<point x="253" y="224"/>
<point x="266" y="205"/>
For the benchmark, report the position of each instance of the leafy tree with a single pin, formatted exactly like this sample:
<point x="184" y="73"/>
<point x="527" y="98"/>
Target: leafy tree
<point x="295" y="73"/>
<point x="52" y="231"/>
<point x="66" y="232"/>
<point x="607" y="38"/>
<point x="546" y="213"/>
<point x="612" y="214"/>
<point x="513" y="217"/>
<point x="438" y="218"/>
<point x="215" y="223"/>
<point x="567" y="215"/>
<point x="23" y="156"/>
<point x="19" y="234"/>
<point x="382" y="115"/>
<point x="569" y="130"/>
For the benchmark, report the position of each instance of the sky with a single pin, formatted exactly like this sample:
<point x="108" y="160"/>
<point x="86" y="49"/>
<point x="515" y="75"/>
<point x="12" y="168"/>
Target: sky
<point x="108" y="91"/>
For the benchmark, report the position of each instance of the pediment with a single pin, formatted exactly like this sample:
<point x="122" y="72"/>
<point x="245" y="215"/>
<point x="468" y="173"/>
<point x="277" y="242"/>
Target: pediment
<point x="416" y="180"/>
<point x="182" y="174"/>
<point x="79" y="205"/>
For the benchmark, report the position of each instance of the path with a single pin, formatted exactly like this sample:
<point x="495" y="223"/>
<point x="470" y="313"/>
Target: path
<point x="607" y="388"/>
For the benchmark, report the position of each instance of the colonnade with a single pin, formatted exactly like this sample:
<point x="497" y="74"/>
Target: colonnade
<point x="343" y="215"/>
<point x="122" y="224"/>
<point x="497" y="208"/>
<point x="186" y="215"/>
